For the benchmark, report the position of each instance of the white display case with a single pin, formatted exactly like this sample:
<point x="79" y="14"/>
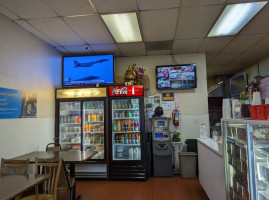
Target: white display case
<point x="246" y="155"/>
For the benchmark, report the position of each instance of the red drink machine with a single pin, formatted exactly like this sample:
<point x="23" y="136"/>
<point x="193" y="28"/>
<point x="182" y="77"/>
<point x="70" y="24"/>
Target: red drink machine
<point x="128" y="153"/>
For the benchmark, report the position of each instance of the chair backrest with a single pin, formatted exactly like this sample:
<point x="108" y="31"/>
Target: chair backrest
<point x="10" y="166"/>
<point x="51" y="166"/>
<point x="63" y="178"/>
<point x="55" y="147"/>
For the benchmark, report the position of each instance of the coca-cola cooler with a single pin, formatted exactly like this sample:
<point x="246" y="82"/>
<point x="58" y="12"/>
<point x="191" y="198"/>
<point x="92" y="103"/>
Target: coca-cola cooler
<point x="128" y="153"/>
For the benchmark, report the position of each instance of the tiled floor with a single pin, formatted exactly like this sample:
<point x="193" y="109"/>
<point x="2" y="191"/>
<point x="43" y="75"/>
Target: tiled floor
<point x="175" y="188"/>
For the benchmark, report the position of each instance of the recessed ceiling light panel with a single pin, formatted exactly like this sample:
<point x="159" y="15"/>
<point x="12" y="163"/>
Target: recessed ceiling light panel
<point x="235" y="17"/>
<point x="124" y="27"/>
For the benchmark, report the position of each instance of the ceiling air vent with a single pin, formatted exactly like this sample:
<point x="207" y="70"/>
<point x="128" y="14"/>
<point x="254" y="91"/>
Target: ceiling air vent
<point x="159" y="45"/>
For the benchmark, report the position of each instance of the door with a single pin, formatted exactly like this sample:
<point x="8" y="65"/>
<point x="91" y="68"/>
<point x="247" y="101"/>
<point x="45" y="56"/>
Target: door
<point x="70" y="125"/>
<point x="126" y="143"/>
<point x="94" y="127"/>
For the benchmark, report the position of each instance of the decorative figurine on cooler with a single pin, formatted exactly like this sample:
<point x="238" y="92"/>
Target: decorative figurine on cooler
<point x="131" y="74"/>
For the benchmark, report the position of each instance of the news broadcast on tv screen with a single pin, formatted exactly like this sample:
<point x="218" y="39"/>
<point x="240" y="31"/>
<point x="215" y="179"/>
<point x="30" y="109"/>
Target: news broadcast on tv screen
<point x="176" y="76"/>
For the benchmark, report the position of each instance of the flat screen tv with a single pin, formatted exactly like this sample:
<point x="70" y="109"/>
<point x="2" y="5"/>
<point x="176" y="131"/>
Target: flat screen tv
<point x="238" y="84"/>
<point x="88" y="70"/>
<point x="176" y="77"/>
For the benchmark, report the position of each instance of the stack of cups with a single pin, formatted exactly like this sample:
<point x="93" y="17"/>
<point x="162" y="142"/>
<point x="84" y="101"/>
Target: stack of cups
<point x="226" y="109"/>
<point x="256" y="98"/>
<point x="234" y="102"/>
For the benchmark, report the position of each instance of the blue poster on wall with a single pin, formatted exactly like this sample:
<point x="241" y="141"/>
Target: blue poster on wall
<point x="17" y="104"/>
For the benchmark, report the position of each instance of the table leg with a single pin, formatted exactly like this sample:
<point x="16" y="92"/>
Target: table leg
<point x="72" y="174"/>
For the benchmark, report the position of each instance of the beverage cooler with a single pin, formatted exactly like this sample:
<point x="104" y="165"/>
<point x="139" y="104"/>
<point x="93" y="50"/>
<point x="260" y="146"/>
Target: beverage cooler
<point x="246" y="154"/>
<point x="81" y="120"/>
<point x="128" y="155"/>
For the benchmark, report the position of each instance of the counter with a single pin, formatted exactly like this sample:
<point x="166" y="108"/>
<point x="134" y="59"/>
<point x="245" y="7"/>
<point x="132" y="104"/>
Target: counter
<point x="211" y="168"/>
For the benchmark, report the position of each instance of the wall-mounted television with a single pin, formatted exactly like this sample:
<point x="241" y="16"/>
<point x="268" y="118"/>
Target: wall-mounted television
<point x="176" y="77"/>
<point x="87" y="70"/>
<point x="238" y="84"/>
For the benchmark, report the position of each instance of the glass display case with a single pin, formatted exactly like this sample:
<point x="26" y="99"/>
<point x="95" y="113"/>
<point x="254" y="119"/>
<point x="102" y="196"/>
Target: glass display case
<point x="246" y="155"/>
<point x="126" y="129"/>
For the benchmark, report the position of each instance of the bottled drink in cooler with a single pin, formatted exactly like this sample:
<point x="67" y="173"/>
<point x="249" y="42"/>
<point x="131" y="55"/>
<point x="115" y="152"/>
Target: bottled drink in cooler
<point x="129" y="139"/>
<point x="129" y="125"/>
<point x="122" y="125"/>
<point x="131" y="152"/>
<point x="122" y="139"/>
<point x="118" y="126"/>
<point x="125" y="139"/>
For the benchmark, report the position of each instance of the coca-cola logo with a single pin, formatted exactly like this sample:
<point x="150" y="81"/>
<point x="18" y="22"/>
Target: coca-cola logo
<point x="119" y="91"/>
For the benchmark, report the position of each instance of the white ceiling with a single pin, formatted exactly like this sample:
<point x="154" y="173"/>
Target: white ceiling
<point x="68" y="25"/>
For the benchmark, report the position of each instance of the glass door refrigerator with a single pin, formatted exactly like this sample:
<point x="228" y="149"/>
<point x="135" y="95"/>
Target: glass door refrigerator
<point x="246" y="149"/>
<point x="128" y="154"/>
<point x="81" y="121"/>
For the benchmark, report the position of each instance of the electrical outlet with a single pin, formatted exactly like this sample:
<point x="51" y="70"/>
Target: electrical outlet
<point x="195" y="120"/>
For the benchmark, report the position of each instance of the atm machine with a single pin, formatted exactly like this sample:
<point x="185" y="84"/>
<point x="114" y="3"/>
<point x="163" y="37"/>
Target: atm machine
<point x="162" y="147"/>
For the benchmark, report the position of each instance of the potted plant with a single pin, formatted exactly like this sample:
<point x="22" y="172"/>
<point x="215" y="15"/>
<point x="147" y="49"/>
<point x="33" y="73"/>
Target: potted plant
<point x="176" y="136"/>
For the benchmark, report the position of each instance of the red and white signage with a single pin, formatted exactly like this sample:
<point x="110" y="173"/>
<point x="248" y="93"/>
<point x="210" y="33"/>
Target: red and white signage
<point x="130" y="90"/>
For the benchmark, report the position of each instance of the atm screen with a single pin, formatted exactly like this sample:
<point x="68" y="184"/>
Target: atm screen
<point x="160" y="123"/>
<point x="158" y="135"/>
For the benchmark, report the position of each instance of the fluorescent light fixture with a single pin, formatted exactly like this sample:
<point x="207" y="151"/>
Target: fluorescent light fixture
<point x="124" y="27"/>
<point x="235" y="17"/>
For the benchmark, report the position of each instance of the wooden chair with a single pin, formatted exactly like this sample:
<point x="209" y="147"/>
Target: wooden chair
<point x="56" y="147"/>
<point x="52" y="167"/>
<point x="9" y="166"/>
<point x="66" y="182"/>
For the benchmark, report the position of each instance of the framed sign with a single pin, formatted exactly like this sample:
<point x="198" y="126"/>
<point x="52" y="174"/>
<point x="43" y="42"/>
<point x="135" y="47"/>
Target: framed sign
<point x="168" y="96"/>
<point x="17" y="104"/>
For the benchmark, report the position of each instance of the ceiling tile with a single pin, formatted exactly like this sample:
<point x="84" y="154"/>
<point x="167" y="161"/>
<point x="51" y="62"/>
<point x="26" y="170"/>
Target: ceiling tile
<point x="28" y="8"/>
<point x="157" y="4"/>
<point x="133" y="49"/>
<point x="8" y="13"/>
<point x="224" y="58"/>
<point x="115" y="6"/>
<point x="195" y="22"/>
<point x="68" y="8"/>
<point x="186" y="46"/>
<point x="214" y="45"/>
<point x="249" y="58"/>
<point x="79" y="49"/>
<point x="162" y="52"/>
<point x="242" y="43"/>
<point x="106" y="49"/>
<point x="37" y="33"/>
<point x="56" y="30"/>
<point x="90" y="28"/>
<point x="209" y="58"/>
<point x="185" y="3"/>
<point x="261" y="46"/>
<point x="155" y="26"/>
<point x="257" y="24"/>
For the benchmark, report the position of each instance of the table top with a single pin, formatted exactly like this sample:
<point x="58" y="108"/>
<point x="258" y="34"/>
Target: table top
<point x="68" y="156"/>
<point x="13" y="185"/>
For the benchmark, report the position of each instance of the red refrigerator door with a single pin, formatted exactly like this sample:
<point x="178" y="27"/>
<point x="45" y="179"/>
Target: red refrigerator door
<point x="126" y="125"/>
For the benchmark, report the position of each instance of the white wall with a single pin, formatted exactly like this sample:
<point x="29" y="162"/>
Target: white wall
<point x="27" y="64"/>
<point x="192" y="103"/>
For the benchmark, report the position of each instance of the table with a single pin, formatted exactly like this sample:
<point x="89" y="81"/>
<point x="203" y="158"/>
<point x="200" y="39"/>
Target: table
<point x="13" y="185"/>
<point x="69" y="157"/>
